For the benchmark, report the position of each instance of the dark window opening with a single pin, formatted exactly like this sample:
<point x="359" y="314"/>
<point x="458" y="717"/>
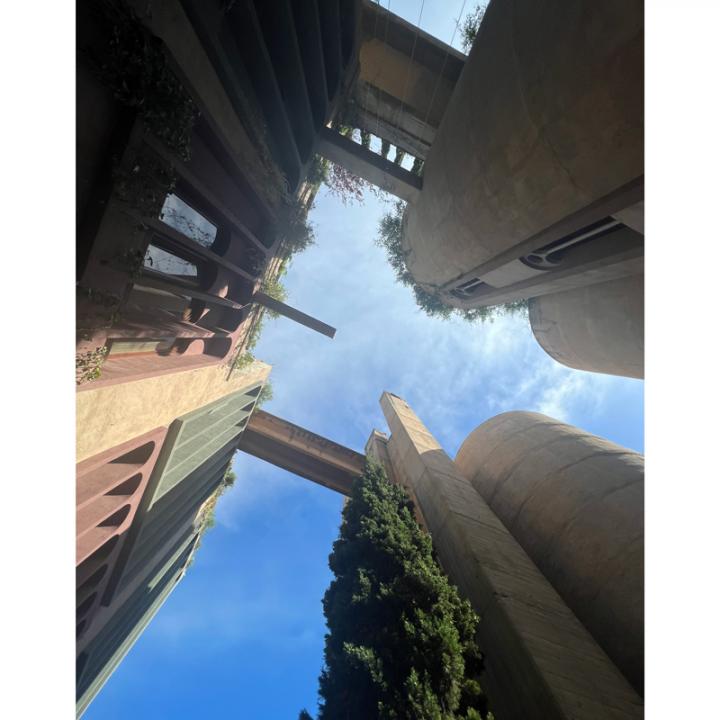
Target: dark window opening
<point x="551" y="255"/>
<point x="162" y="261"/>
<point x="469" y="288"/>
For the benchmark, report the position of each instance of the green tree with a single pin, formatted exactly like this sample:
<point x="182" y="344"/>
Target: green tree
<point x="471" y="25"/>
<point x="390" y="235"/>
<point x="401" y="641"/>
<point x="266" y="394"/>
<point x="275" y="289"/>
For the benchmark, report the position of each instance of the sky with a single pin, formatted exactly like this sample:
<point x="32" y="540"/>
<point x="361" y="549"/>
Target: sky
<point x="242" y="634"/>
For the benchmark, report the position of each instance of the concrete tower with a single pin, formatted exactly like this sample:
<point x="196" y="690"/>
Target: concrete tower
<point x="533" y="186"/>
<point x="574" y="502"/>
<point x="598" y="327"/>
<point x="540" y="527"/>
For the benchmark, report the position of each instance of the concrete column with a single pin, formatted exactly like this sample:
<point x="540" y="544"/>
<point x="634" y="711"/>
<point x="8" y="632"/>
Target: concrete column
<point x="574" y="502"/>
<point x="599" y="327"/>
<point x="368" y="165"/>
<point x="541" y="661"/>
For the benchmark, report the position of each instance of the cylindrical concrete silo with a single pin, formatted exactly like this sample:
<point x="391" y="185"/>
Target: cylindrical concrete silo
<point x="546" y="119"/>
<point x="598" y="327"/>
<point x="575" y="503"/>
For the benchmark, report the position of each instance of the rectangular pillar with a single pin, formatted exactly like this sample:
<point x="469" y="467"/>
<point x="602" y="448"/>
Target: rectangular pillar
<point x="541" y="663"/>
<point x="298" y="316"/>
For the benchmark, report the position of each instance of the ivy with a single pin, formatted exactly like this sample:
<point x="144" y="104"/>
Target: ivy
<point x="134" y="66"/>
<point x="143" y="182"/>
<point x="390" y="237"/>
<point x="88" y="364"/>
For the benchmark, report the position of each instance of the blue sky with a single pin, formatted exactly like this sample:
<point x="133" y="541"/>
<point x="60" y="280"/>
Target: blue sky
<point x="242" y="634"/>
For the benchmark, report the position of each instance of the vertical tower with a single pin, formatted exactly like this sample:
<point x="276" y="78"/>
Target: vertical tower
<point x="599" y="327"/>
<point x="575" y="504"/>
<point x="542" y="662"/>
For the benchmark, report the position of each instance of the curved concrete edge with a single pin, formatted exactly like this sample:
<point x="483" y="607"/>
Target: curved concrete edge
<point x="599" y="328"/>
<point x="575" y="503"/>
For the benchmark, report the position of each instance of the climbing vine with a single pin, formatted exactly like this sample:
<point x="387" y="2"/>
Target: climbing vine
<point x="390" y="235"/>
<point x="134" y="66"/>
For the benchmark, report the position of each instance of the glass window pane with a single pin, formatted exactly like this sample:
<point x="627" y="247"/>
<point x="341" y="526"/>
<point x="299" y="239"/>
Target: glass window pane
<point x="179" y="215"/>
<point x="162" y="261"/>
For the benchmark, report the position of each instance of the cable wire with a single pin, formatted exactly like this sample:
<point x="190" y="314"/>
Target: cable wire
<point x="412" y="57"/>
<point x="442" y="69"/>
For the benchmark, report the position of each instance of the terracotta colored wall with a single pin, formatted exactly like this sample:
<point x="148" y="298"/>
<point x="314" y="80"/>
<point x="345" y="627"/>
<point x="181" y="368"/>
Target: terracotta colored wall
<point x="109" y="488"/>
<point x="108" y="416"/>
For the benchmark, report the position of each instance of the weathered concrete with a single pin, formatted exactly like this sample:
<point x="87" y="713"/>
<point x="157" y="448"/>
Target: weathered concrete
<point x="377" y="449"/>
<point x="110" y="415"/>
<point x="575" y="504"/>
<point x="406" y="80"/>
<point x="541" y="662"/>
<point x="368" y="165"/>
<point x="301" y="452"/>
<point x="546" y="118"/>
<point x="599" y="328"/>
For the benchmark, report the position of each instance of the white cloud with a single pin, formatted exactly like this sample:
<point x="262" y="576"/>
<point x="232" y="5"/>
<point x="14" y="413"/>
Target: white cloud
<point x="455" y="375"/>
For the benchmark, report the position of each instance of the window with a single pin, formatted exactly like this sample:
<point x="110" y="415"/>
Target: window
<point x="165" y="262"/>
<point x="186" y="220"/>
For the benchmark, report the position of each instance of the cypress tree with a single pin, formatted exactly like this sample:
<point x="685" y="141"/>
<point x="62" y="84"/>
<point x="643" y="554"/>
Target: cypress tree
<point x="401" y="642"/>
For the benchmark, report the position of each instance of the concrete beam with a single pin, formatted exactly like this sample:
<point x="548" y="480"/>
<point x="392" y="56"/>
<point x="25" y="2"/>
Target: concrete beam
<point x="377" y="112"/>
<point x="368" y="165"/>
<point x="301" y="452"/>
<point x="281" y="308"/>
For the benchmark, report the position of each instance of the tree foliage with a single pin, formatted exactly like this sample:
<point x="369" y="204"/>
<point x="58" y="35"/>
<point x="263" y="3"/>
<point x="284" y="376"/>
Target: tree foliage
<point x="401" y="641"/>
<point x="471" y="25"/>
<point x="206" y="517"/>
<point x="134" y="66"/>
<point x="275" y="289"/>
<point x="346" y="186"/>
<point x="390" y="234"/>
<point x="266" y="394"/>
